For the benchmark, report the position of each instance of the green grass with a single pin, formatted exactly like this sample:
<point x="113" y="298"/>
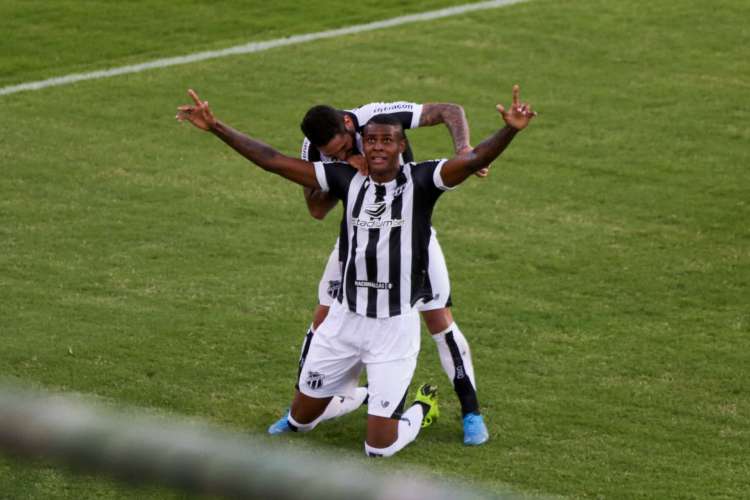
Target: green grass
<point x="601" y="274"/>
<point x="52" y="38"/>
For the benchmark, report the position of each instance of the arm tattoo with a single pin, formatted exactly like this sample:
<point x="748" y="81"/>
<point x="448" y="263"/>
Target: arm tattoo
<point x="454" y="118"/>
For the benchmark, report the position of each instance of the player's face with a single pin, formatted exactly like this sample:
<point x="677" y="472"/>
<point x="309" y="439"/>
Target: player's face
<point x="383" y="144"/>
<point x="340" y="146"/>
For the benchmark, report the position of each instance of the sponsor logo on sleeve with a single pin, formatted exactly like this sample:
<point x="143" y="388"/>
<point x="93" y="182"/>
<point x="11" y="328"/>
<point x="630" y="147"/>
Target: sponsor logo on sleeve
<point x="393" y="108"/>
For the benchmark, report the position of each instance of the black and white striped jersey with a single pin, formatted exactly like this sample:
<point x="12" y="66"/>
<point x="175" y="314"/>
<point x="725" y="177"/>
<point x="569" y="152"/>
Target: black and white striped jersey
<point x="384" y="236"/>
<point x="408" y="113"/>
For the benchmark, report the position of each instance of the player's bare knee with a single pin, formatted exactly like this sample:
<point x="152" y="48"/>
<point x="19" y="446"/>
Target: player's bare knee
<point x="381" y="431"/>
<point x="437" y="320"/>
<point x="382" y="437"/>
<point x="306" y="410"/>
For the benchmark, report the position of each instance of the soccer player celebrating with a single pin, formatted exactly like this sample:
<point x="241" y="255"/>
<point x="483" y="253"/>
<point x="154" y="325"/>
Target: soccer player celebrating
<point x="384" y="240"/>
<point x="331" y="135"/>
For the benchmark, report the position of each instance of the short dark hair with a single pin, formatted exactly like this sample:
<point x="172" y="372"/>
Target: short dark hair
<point x="386" y="120"/>
<point x="321" y="123"/>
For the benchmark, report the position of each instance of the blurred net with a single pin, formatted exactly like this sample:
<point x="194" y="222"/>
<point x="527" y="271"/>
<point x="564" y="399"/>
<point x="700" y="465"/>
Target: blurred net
<point x="192" y="457"/>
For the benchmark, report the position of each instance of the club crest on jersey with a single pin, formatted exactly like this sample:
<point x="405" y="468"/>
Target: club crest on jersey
<point x="314" y="380"/>
<point x="376" y="210"/>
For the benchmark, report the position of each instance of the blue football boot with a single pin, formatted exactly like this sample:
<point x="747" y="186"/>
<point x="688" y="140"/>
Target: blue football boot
<point x="475" y="432"/>
<point x="281" y="425"/>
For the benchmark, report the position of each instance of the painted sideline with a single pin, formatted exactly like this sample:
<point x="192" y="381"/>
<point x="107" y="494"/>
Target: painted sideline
<point x="257" y="46"/>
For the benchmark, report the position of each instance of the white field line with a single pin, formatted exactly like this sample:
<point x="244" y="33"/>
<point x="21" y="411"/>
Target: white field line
<point x="256" y="46"/>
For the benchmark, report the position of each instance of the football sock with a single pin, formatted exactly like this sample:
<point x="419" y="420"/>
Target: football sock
<point x="341" y="405"/>
<point x="338" y="406"/>
<point x="409" y="426"/>
<point x="297" y="427"/>
<point x="455" y="356"/>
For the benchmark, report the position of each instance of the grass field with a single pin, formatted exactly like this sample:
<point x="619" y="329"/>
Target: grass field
<point x="601" y="273"/>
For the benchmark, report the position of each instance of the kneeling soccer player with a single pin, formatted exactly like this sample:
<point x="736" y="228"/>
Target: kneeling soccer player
<point x="384" y="239"/>
<point x="331" y="135"/>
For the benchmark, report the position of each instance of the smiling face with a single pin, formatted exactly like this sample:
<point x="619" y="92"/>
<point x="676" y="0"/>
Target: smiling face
<point x="383" y="145"/>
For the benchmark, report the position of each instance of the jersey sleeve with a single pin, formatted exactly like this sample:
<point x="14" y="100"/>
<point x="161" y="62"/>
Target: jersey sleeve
<point x="408" y="113"/>
<point x="334" y="177"/>
<point x="309" y="152"/>
<point x="427" y="177"/>
<point x="437" y="177"/>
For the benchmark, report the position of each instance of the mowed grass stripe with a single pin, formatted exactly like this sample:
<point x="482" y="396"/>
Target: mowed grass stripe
<point x="42" y="39"/>
<point x="253" y="47"/>
<point x="600" y="274"/>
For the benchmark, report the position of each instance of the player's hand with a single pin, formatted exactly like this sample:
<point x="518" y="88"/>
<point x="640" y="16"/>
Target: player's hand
<point x="199" y="115"/>
<point x="483" y="172"/>
<point x="360" y="163"/>
<point x="520" y="114"/>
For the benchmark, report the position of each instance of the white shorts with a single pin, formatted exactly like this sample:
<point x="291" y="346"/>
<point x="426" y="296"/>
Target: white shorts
<point x="437" y="271"/>
<point x="347" y="342"/>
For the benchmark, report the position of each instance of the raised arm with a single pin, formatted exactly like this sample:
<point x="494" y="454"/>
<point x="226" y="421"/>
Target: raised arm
<point x="457" y="169"/>
<point x="267" y="158"/>
<point x="454" y="118"/>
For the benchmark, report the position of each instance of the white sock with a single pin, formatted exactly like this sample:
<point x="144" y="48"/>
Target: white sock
<point x="341" y="405"/>
<point x="446" y="358"/>
<point x="408" y="427"/>
<point x="338" y="406"/>
<point x="455" y="357"/>
<point x="303" y="427"/>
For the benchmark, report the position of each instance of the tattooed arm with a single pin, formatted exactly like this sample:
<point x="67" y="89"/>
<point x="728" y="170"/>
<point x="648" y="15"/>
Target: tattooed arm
<point x="453" y="116"/>
<point x="517" y="118"/>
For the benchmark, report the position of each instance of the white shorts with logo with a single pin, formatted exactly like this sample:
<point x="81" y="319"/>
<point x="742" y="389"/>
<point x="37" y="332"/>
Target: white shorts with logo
<point x="347" y="342"/>
<point x="437" y="271"/>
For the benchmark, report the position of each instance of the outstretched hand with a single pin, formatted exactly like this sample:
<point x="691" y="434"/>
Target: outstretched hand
<point x="520" y="114"/>
<point x="199" y="115"/>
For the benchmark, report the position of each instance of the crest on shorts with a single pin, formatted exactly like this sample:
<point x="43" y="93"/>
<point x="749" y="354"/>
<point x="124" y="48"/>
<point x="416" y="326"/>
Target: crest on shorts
<point x="333" y="288"/>
<point x="314" y="380"/>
